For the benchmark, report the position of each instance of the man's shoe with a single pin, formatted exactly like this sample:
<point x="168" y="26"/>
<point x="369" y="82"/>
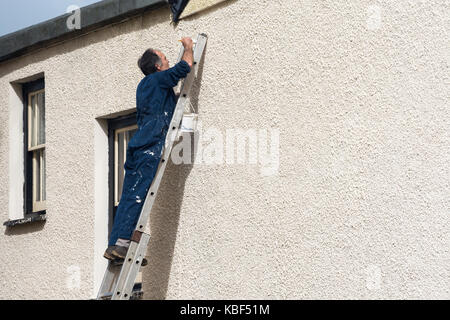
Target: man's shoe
<point x="108" y="253"/>
<point x="119" y="252"/>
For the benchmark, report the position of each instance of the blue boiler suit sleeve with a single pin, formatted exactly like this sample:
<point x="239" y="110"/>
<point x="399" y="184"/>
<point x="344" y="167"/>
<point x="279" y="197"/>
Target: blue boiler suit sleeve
<point x="170" y="77"/>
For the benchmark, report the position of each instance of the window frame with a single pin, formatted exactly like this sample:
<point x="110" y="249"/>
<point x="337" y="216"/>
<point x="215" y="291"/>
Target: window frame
<point x="116" y="158"/>
<point x="31" y="208"/>
<point x="36" y="151"/>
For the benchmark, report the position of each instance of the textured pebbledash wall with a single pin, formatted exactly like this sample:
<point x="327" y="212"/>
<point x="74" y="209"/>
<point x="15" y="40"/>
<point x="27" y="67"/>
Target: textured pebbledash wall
<point x="359" y="205"/>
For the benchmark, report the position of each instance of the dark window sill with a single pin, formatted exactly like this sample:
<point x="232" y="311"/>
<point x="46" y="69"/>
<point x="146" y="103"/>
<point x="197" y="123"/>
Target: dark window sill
<point x="29" y="218"/>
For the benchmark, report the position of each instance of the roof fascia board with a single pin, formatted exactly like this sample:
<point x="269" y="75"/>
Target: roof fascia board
<point x="55" y="30"/>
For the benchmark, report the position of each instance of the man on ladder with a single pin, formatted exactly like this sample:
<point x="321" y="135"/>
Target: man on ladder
<point x="155" y="104"/>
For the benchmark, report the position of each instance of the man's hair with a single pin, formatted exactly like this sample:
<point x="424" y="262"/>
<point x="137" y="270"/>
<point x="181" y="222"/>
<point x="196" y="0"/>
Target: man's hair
<point x="147" y="62"/>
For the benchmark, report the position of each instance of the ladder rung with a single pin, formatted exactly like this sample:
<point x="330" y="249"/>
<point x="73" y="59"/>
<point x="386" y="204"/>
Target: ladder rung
<point x="106" y="296"/>
<point x="136" y="295"/>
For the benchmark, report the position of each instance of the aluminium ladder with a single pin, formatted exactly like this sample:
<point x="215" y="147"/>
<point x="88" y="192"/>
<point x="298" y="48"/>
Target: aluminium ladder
<point x="118" y="280"/>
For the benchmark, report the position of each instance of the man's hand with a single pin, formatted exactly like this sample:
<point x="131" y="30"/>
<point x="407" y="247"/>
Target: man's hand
<point x="188" y="55"/>
<point x="187" y="42"/>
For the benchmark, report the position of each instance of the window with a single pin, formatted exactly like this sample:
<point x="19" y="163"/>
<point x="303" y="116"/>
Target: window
<point x="35" y="157"/>
<point x="121" y="130"/>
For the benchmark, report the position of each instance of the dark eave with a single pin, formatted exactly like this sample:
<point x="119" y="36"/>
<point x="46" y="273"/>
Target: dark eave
<point x="55" y="30"/>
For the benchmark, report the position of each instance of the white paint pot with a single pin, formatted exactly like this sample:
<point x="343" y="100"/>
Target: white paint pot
<point x="189" y="122"/>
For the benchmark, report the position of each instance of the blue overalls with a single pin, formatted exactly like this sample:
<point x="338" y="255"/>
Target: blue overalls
<point x="155" y="103"/>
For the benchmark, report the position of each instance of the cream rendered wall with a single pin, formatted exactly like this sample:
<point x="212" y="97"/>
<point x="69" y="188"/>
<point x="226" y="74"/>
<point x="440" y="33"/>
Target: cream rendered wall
<point x="359" y="208"/>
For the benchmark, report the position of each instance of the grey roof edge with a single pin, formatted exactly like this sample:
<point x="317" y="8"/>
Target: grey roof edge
<point x="55" y="30"/>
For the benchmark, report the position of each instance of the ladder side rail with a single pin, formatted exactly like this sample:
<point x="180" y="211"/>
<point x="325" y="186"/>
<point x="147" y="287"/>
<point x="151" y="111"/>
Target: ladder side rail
<point x="112" y="273"/>
<point x="126" y="267"/>
<point x="134" y="261"/>
<point x="109" y="278"/>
